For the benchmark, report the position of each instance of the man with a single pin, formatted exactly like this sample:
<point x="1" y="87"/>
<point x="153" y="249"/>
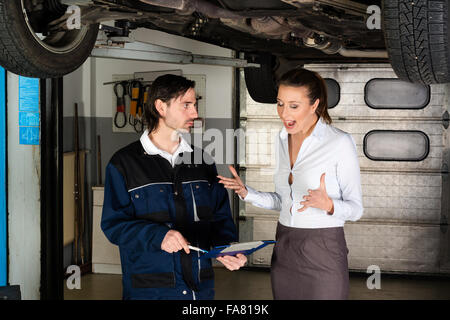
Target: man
<point x="157" y="203"/>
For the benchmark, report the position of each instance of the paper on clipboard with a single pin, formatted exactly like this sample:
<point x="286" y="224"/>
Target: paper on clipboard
<point x="245" y="248"/>
<point x="242" y="246"/>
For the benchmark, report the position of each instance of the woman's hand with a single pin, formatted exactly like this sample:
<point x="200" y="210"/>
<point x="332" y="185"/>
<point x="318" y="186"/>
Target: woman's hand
<point x="318" y="198"/>
<point x="233" y="262"/>
<point x="234" y="183"/>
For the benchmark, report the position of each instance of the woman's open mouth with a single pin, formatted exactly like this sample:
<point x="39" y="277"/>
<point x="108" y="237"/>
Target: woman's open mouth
<point x="289" y="124"/>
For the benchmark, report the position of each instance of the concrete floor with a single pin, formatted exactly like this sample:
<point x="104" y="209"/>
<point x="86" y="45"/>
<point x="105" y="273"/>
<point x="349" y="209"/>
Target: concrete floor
<point x="251" y="284"/>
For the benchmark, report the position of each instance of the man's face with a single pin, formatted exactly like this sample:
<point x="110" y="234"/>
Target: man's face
<point x="179" y="114"/>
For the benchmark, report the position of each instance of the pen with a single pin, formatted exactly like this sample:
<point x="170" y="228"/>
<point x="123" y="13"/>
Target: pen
<point x="197" y="249"/>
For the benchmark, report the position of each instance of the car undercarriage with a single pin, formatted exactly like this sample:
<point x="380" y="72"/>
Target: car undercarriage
<point x="38" y="40"/>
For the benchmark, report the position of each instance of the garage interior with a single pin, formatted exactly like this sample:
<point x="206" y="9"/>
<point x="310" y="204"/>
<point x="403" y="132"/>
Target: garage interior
<point x="54" y="195"/>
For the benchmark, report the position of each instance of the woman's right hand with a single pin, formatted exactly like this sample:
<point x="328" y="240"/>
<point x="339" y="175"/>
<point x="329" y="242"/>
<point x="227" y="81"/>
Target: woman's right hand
<point x="234" y="183"/>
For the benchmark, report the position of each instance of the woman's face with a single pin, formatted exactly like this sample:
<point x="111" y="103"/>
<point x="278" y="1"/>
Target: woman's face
<point x="295" y="110"/>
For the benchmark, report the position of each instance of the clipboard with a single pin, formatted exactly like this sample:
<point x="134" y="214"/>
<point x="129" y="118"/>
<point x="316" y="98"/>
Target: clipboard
<point x="245" y="248"/>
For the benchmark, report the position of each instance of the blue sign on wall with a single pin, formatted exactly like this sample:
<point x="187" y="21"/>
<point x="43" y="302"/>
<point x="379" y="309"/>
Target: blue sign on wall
<point x="28" y="94"/>
<point x="29" y="118"/>
<point x="29" y="135"/>
<point x="3" y="221"/>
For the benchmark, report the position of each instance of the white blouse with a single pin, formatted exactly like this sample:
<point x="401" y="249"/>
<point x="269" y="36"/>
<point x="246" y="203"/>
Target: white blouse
<point x="326" y="150"/>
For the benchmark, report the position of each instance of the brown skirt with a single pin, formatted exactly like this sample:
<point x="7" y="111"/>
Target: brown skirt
<point x="310" y="264"/>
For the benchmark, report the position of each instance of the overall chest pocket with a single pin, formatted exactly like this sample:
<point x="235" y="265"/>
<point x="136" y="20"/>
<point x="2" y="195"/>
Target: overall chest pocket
<point x="152" y="202"/>
<point x="202" y="195"/>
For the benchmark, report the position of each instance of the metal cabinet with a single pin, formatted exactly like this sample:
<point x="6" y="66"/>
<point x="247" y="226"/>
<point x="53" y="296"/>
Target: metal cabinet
<point x="105" y="255"/>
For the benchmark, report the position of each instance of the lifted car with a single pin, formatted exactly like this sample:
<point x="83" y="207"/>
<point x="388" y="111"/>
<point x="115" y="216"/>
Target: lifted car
<point x="37" y="40"/>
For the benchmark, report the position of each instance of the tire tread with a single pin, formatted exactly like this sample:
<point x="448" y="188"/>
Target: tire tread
<point x="16" y="57"/>
<point x="417" y="39"/>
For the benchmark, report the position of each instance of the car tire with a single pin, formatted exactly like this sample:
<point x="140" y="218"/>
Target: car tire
<point x="26" y="54"/>
<point x="417" y="35"/>
<point x="261" y="82"/>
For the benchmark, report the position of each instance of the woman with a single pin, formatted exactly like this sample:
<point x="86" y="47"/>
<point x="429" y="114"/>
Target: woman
<point x="317" y="189"/>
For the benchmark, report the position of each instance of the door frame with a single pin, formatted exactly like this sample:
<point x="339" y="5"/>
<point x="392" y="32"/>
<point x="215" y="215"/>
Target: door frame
<point x="3" y="190"/>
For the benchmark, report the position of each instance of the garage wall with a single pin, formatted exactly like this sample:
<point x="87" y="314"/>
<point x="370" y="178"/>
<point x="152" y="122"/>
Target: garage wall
<point x="24" y="208"/>
<point x="404" y="227"/>
<point x="95" y="100"/>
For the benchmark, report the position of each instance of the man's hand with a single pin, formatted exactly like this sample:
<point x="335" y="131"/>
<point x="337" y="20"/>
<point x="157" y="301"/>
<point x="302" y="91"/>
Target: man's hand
<point x="233" y="262"/>
<point x="174" y="242"/>
<point x="318" y="198"/>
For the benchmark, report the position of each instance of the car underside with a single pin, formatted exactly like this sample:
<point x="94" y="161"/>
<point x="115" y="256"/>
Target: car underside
<point x="300" y="30"/>
<point x="37" y="39"/>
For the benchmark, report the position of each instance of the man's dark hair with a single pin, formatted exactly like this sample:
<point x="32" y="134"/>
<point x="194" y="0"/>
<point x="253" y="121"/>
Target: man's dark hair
<point x="165" y="88"/>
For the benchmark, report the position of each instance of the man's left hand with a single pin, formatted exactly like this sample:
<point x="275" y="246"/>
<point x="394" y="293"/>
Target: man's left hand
<point x="233" y="262"/>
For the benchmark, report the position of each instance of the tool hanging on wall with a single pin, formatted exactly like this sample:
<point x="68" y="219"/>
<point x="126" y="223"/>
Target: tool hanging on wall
<point x="79" y="217"/>
<point x="146" y="93"/>
<point x="139" y="127"/>
<point x="99" y="162"/>
<point x="114" y="82"/>
<point x="136" y="109"/>
<point x="120" y="90"/>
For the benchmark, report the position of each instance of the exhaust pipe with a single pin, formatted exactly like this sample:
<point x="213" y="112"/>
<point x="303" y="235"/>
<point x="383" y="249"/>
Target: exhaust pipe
<point x="206" y="8"/>
<point x="332" y="47"/>
<point x="363" y="53"/>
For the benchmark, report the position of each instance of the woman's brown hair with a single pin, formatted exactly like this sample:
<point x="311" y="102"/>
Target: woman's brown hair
<point x="317" y="89"/>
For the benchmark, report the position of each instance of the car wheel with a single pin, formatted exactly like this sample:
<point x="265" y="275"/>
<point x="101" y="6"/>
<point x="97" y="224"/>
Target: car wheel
<point x="30" y="49"/>
<point x="418" y="39"/>
<point x="260" y="82"/>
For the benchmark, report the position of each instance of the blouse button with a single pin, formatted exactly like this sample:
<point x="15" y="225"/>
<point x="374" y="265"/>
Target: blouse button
<point x="197" y="186"/>
<point x="184" y="292"/>
<point x="136" y="196"/>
